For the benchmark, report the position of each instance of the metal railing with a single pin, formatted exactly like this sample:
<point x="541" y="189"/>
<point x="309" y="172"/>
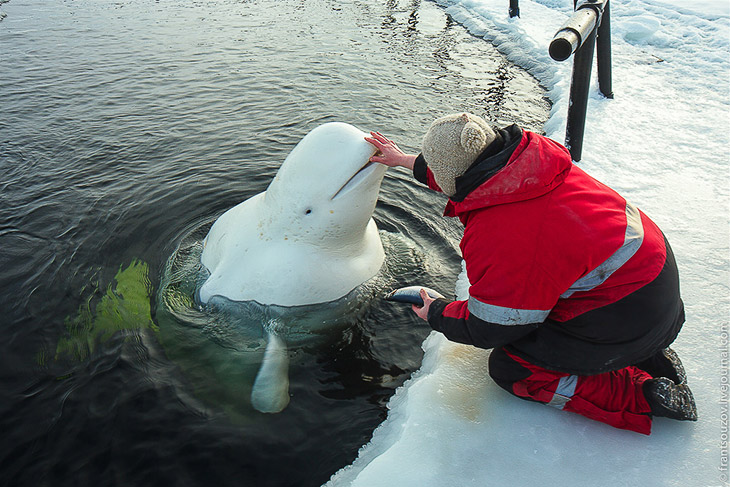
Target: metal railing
<point x="514" y="8"/>
<point x="588" y="30"/>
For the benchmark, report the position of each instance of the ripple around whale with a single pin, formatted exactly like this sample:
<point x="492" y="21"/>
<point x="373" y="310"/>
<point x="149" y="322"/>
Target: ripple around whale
<point x="219" y="346"/>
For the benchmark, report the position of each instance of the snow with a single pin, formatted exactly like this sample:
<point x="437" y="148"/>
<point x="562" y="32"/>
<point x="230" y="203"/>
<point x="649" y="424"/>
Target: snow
<point x="663" y="143"/>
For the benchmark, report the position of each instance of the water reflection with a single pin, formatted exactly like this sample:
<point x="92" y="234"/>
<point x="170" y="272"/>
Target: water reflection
<point x="129" y="126"/>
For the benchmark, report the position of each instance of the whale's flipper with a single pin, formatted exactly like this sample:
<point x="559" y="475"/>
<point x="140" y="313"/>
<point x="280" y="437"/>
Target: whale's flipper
<point x="270" y="393"/>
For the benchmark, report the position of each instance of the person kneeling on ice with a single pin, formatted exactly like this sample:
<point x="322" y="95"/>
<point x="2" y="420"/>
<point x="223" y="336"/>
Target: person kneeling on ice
<point x="574" y="288"/>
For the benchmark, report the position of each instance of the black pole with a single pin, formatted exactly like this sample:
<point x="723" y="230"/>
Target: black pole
<point x="578" y="104"/>
<point x="603" y="48"/>
<point x="514" y="8"/>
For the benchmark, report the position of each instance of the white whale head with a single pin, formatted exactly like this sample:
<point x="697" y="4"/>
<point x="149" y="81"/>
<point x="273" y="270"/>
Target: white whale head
<point x="309" y="238"/>
<point x="326" y="189"/>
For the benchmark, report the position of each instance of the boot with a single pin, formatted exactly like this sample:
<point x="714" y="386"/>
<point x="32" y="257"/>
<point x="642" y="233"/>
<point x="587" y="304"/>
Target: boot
<point x="670" y="400"/>
<point x="665" y="363"/>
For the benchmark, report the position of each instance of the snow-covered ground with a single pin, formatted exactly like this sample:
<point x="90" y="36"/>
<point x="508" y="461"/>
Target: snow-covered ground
<point x="664" y="143"/>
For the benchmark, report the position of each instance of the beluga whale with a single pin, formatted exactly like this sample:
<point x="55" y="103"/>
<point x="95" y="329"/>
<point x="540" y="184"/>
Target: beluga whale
<point x="308" y="239"/>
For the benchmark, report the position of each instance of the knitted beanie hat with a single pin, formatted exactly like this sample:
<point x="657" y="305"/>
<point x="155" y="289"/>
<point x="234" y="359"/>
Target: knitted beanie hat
<point x="452" y="144"/>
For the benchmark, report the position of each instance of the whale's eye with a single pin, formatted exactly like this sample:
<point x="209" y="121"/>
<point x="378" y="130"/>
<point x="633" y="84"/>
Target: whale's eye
<point x="308" y="211"/>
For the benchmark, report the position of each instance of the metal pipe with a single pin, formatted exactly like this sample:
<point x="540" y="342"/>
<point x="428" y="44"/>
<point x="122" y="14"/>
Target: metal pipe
<point x="587" y="30"/>
<point x="597" y="5"/>
<point x="603" y="54"/>
<point x="573" y="33"/>
<point x="514" y="8"/>
<point x="578" y="104"/>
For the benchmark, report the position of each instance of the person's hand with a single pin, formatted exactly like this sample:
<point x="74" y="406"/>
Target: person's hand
<point x="388" y="152"/>
<point x="422" y="312"/>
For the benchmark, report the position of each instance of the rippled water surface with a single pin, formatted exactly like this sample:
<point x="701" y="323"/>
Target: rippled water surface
<point x="126" y="128"/>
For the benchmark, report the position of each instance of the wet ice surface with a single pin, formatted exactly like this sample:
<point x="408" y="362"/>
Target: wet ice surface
<point x="663" y="143"/>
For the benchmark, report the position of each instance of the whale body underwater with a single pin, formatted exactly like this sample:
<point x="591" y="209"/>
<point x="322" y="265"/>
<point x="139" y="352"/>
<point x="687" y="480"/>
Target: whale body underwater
<point x="308" y="239"/>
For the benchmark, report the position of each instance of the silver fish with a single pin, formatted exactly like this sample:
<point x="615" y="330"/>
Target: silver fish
<point x="411" y="294"/>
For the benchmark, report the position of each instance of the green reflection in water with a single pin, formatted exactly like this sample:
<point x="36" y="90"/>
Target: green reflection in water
<point x="124" y="306"/>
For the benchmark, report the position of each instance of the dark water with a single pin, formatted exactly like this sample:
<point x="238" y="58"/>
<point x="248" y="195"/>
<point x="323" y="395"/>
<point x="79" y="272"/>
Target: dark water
<point x="126" y="128"/>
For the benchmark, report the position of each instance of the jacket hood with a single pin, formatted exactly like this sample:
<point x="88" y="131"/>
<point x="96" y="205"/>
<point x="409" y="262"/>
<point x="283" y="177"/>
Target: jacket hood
<point x="524" y="166"/>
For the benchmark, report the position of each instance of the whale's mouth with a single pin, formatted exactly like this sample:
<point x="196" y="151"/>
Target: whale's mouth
<point x="357" y="178"/>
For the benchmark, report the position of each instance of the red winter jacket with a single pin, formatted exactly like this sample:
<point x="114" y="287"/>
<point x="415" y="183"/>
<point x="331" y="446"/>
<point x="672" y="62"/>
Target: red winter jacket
<point x="563" y="270"/>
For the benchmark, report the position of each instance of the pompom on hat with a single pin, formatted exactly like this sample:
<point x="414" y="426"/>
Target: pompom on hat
<point x="451" y="146"/>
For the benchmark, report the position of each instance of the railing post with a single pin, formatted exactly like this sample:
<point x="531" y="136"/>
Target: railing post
<point x="588" y="29"/>
<point x="603" y="54"/>
<point x="514" y="8"/>
<point x="579" y="87"/>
